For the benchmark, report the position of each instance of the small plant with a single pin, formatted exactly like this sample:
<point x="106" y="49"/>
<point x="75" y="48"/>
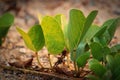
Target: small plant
<point x="100" y="45"/>
<point x="34" y="39"/>
<point x="76" y="35"/>
<point x="54" y="38"/>
<point x="6" y="20"/>
<point x="102" y="52"/>
<point x="80" y="37"/>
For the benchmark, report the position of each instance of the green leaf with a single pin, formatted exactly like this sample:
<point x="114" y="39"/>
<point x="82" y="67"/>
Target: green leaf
<point x="26" y="39"/>
<point x="6" y="20"/>
<point x="92" y="61"/>
<point x="96" y="50"/>
<point x="54" y="38"/>
<point x="82" y="59"/>
<point x="75" y="28"/>
<point x="111" y="28"/>
<point x="37" y="37"/>
<point x="106" y="50"/>
<point x="87" y="38"/>
<point x="89" y="20"/>
<point x="80" y="49"/>
<point x="97" y="68"/>
<point x="58" y="19"/>
<point x="92" y="31"/>
<point x="113" y="64"/>
<point x="62" y="21"/>
<point x="115" y="48"/>
<point x="110" y="62"/>
<point x="34" y="39"/>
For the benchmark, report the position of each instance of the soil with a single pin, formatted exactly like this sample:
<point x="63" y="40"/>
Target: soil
<point x="14" y="51"/>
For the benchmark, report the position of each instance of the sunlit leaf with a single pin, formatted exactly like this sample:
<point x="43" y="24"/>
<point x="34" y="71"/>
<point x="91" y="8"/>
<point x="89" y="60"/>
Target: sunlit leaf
<point x="34" y="39"/>
<point x="58" y="19"/>
<point x="54" y="38"/>
<point x="26" y="39"/>
<point x="37" y="37"/>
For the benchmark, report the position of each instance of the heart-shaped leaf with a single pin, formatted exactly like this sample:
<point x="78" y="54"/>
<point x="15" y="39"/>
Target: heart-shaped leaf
<point x="6" y="20"/>
<point x="34" y="39"/>
<point x="37" y="37"/>
<point x="54" y="38"/>
<point x="82" y="59"/>
<point x="97" y="68"/>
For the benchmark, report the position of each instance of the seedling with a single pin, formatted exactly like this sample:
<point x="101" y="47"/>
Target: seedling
<point x="54" y="38"/>
<point x="101" y="41"/>
<point x="6" y="20"/>
<point x="34" y="39"/>
<point x="79" y="35"/>
<point x="101" y="51"/>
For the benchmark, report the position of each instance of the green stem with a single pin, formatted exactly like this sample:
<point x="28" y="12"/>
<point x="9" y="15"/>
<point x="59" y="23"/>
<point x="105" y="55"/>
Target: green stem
<point x="49" y="60"/>
<point x="38" y="60"/>
<point x="75" y="66"/>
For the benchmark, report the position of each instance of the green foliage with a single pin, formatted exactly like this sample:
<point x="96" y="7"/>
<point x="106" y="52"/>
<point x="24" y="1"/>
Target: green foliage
<point x="115" y="49"/>
<point x="98" y="49"/>
<point x="96" y="67"/>
<point x="34" y="39"/>
<point x="75" y="28"/>
<point x="82" y="59"/>
<point x="108" y="55"/>
<point x="80" y="37"/>
<point x="105" y="36"/>
<point x="110" y="71"/>
<point x="78" y="28"/>
<point x="54" y="38"/>
<point x="114" y="65"/>
<point x="6" y="20"/>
